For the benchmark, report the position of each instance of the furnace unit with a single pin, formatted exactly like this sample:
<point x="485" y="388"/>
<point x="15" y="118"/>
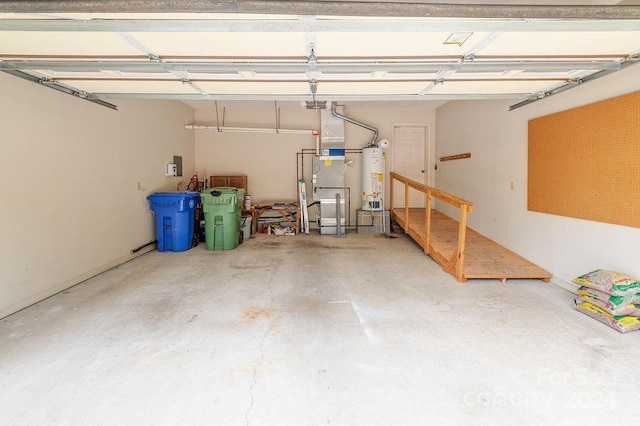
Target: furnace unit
<point x="328" y="174"/>
<point x="328" y="189"/>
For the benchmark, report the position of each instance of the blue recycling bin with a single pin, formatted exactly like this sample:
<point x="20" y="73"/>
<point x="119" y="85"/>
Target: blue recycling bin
<point x="174" y="212"/>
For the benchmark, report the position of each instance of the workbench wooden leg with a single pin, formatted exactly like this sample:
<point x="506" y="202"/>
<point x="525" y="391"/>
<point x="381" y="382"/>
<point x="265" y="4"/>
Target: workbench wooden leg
<point x="254" y="221"/>
<point x="297" y="222"/>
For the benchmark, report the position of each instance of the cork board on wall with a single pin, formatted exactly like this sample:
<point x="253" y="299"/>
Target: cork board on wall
<point x="585" y="162"/>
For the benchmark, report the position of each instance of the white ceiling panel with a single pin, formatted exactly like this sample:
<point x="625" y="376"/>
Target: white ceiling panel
<point x="227" y="44"/>
<point x="330" y="88"/>
<point x="372" y="44"/>
<point x="561" y="43"/>
<point x="132" y="86"/>
<point x="269" y="56"/>
<point x="64" y="43"/>
<point x="514" y="88"/>
<point x="244" y="88"/>
<point x="70" y="75"/>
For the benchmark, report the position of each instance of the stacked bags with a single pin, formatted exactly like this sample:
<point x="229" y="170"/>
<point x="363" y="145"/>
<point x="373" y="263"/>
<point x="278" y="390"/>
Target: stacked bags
<point x="611" y="298"/>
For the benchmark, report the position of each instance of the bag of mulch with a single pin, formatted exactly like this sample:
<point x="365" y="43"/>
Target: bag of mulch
<point x="615" y="305"/>
<point x="623" y="324"/>
<point x="610" y="282"/>
<point x="629" y="298"/>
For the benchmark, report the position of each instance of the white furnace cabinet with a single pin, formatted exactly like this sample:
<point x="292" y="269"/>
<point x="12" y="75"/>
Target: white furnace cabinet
<point x="328" y="189"/>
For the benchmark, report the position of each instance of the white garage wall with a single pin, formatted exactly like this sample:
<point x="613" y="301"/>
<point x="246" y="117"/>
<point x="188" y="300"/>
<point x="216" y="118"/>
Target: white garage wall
<point x="73" y="183"/>
<point x="269" y="160"/>
<point x="497" y="140"/>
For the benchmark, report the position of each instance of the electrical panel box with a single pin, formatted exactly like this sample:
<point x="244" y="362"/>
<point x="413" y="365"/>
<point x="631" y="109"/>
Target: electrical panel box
<point x="177" y="160"/>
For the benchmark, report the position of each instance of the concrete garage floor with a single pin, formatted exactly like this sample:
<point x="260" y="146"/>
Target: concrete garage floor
<point x="311" y="330"/>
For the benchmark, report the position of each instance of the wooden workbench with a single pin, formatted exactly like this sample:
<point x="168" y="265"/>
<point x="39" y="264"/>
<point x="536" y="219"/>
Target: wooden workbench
<point x="286" y="211"/>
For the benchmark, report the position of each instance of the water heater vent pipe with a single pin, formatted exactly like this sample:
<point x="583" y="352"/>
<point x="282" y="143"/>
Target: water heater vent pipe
<point x="357" y="123"/>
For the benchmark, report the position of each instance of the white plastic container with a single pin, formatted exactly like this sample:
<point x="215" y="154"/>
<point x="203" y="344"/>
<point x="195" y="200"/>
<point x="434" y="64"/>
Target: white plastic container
<point x="246" y="227"/>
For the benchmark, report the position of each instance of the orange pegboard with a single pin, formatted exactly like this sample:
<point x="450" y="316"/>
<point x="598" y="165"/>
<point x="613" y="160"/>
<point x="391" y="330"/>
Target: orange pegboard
<point x="585" y="162"/>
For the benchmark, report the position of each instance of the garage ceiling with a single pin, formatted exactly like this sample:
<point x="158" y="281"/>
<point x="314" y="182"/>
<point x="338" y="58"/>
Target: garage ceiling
<point x="323" y="51"/>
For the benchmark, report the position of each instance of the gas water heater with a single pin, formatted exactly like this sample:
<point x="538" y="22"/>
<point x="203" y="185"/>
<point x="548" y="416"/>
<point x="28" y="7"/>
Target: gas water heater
<point x="372" y="178"/>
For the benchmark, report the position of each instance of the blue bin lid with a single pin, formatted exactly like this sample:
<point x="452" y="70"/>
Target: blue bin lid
<point x="181" y="200"/>
<point x="173" y="194"/>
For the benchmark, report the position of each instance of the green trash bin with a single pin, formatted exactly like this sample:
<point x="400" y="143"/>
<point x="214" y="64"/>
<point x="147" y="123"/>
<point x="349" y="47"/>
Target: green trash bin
<point x="222" y="208"/>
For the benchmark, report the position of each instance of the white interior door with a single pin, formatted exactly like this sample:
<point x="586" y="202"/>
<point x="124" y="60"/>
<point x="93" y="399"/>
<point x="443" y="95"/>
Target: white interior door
<point x="409" y="159"/>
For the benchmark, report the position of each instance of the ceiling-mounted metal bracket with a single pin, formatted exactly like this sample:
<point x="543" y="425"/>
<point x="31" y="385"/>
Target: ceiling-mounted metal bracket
<point x="312" y="59"/>
<point x="313" y="86"/>
<point x="442" y="75"/>
<point x="310" y="37"/>
<point x="310" y="41"/>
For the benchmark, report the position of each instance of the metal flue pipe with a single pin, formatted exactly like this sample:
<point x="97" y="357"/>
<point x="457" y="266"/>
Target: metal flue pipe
<point x="357" y="123"/>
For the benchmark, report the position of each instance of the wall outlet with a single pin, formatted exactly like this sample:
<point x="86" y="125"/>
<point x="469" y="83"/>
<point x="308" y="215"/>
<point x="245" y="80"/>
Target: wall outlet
<point x="172" y="170"/>
<point x="513" y="186"/>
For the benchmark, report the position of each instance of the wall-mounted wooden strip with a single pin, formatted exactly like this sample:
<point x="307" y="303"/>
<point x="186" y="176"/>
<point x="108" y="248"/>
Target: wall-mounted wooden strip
<point x="456" y="157"/>
<point x="585" y="162"/>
